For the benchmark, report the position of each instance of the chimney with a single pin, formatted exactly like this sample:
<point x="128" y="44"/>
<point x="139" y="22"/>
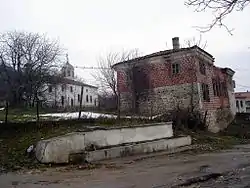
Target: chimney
<point x="176" y="44"/>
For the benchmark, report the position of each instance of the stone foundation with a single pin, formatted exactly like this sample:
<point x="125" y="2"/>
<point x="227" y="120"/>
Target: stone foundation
<point x="162" y="99"/>
<point x="219" y="119"/>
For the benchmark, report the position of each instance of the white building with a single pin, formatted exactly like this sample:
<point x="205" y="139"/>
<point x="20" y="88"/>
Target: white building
<point x="66" y="91"/>
<point x="243" y="102"/>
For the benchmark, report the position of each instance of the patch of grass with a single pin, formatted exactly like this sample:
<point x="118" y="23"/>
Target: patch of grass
<point x="16" y="138"/>
<point x="210" y="142"/>
<point x="13" y="147"/>
<point x="21" y="114"/>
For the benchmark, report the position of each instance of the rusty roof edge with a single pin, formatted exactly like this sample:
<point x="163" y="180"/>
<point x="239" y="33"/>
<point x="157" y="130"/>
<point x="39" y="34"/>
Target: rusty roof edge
<point x="160" y="53"/>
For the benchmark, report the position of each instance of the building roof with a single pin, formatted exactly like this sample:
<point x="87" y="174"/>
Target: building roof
<point x="62" y="80"/>
<point x="75" y="82"/>
<point x="242" y="95"/>
<point x="165" y="52"/>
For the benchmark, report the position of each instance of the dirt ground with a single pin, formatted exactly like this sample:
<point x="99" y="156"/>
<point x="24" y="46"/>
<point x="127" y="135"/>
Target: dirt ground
<point x="228" y="168"/>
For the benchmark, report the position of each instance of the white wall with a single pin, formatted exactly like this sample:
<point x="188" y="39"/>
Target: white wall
<point x="104" y="138"/>
<point x="58" y="149"/>
<point x="55" y="96"/>
<point x="241" y="108"/>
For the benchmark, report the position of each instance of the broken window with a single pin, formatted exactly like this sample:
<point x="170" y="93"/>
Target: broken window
<point x="224" y="89"/>
<point x="175" y="68"/>
<point x="215" y="87"/>
<point x="220" y="88"/>
<point x="202" y="67"/>
<point x="205" y="92"/>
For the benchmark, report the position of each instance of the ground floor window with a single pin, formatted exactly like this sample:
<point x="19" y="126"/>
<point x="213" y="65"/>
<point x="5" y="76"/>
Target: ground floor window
<point x="237" y="104"/>
<point x="78" y="97"/>
<point x="62" y="100"/>
<point x="205" y="92"/>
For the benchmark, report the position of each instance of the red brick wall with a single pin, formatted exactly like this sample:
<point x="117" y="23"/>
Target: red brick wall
<point x="213" y="72"/>
<point x="160" y="74"/>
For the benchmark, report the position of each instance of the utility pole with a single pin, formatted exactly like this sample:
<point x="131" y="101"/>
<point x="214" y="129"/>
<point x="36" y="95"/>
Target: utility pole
<point x="80" y="110"/>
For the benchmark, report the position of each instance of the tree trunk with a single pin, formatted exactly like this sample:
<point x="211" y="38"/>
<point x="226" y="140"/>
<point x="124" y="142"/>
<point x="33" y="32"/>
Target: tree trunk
<point x="6" y="111"/>
<point x="118" y="106"/>
<point x="37" y="110"/>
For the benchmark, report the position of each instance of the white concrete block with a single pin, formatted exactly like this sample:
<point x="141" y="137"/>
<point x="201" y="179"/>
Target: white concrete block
<point x="58" y="149"/>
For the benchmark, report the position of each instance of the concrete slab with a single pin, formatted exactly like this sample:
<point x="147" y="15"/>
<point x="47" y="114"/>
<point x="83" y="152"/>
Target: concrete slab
<point x="58" y="149"/>
<point x="139" y="148"/>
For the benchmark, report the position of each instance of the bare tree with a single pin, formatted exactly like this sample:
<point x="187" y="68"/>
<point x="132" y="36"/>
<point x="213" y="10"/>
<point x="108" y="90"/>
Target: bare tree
<point x="33" y="60"/>
<point x="191" y="59"/>
<point x="220" y="8"/>
<point x="106" y="75"/>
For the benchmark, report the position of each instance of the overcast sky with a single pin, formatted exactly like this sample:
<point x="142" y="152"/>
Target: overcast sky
<point x="91" y="28"/>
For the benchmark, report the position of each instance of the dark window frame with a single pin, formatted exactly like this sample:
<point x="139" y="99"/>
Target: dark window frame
<point x="62" y="100"/>
<point x="90" y="99"/>
<point x="205" y="92"/>
<point x="202" y="67"/>
<point x="71" y="89"/>
<point x="237" y="104"/>
<point x="219" y="88"/>
<point x="176" y="68"/>
<point x="87" y="98"/>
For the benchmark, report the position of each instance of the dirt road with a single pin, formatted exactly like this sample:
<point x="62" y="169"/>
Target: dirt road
<point x="229" y="168"/>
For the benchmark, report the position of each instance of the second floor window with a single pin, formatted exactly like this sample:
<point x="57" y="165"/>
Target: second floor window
<point x="202" y="68"/>
<point x="205" y="92"/>
<point x="216" y="87"/>
<point x="71" y="89"/>
<point x="87" y="98"/>
<point x="220" y="88"/>
<point x="175" y="68"/>
<point x="90" y="99"/>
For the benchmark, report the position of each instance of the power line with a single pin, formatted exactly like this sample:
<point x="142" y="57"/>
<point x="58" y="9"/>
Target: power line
<point x="80" y="67"/>
<point x="244" y="86"/>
